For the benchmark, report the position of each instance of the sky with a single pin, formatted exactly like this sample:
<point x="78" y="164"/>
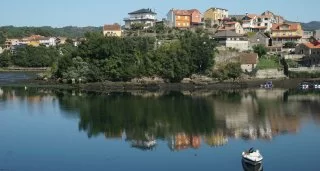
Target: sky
<point x="59" y="13"/>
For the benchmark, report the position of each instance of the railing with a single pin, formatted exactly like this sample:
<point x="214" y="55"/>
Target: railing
<point x="139" y="18"/>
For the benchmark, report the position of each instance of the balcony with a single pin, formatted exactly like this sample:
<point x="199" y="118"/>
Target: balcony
<point x="138" y="18"/>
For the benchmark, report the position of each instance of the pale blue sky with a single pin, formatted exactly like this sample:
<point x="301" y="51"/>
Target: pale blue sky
<point x="58" y="13"/>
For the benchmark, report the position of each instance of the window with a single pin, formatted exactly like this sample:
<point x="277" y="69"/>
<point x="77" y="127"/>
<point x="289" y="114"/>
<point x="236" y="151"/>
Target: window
<point x="184" y="24"/>
<point x="266" y="19"/>
<point x="178" y="17"/>
<point x="266" y="24"/>
<point x="187" y="24"/>
<point x="186" y="17"/>
<point x="178" y="24"/>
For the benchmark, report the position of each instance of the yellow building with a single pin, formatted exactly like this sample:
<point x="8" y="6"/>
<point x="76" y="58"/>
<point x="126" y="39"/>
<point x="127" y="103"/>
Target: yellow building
<point x="214" y="15"/>
<point x="34" y="43"/>
<point x="286" y="32"/>
<point x="112" y="30"/>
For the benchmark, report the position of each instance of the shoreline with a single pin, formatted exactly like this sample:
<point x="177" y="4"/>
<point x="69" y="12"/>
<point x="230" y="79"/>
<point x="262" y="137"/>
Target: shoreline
<point x="129" y="86"/>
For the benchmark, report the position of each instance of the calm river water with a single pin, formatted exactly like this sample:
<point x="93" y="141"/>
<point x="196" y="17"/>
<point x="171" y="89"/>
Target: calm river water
<point x="46" y="130"/>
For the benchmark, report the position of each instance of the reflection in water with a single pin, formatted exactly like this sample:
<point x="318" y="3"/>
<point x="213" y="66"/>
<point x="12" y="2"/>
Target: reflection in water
<point x="183" y="121"/>
<point x="249" y="167"/>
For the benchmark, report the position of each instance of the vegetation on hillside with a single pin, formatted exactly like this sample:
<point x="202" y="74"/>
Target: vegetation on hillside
<point x="102" y="58"/>
<point x="69" y="31"/>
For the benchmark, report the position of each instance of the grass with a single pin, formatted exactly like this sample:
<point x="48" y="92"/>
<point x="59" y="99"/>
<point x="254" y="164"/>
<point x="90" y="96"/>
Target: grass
<point x="268" y="63"/>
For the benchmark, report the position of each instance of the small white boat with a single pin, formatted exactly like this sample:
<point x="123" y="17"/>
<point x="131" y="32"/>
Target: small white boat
<point x="252" y="157"/>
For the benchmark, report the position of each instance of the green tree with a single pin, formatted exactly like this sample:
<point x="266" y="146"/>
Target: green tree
<point x="174" y="61"/>
<point x="137" y="26"/>
<point x="2" y="39"/>
<point x="233" y="70"/>
<point x="78" y="70"/>
<point x="30" y="56"/>
<point x="261" y="50"/>
<point x="290" y="45"/>
<point x="5" y="59"/>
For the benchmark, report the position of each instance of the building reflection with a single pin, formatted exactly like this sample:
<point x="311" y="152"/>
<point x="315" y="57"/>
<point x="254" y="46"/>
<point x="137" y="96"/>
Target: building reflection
<point x="182" y="141"/>
<point x="216" y="139"/>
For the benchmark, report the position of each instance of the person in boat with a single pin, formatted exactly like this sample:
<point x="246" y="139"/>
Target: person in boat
<point x="251" y="150"/>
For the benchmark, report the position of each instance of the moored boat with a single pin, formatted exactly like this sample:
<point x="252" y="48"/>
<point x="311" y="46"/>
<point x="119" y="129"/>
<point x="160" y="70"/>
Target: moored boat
<point x="252" y="157"/>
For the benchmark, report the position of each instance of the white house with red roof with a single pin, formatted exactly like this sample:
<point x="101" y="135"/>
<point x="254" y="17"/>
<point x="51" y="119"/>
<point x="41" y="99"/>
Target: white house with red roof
<point x="310" y="52"/>
<point x="232" y="26"/>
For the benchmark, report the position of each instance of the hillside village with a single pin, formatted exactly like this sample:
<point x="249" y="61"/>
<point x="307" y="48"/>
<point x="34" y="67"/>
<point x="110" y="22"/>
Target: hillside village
<point x="238" y="37"/>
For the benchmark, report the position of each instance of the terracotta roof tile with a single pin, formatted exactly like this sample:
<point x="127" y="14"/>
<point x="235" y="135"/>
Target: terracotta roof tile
<point x="292" y="26"/>
<point x="315" y="45"/>
<point x="182" y="12"/>
<point x="114" y="27"/>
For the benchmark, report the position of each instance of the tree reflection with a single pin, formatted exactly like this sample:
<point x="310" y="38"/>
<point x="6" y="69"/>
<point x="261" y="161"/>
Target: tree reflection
<point x="184" y="121"/>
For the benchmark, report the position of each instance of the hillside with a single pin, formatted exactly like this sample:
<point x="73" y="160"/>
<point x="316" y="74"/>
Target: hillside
<point x="313" y="25"/>
<point x="69" y="31"/>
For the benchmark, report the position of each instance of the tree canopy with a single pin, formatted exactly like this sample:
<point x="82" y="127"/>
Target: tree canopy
<point x="261" y="50"/>
<point x="121" y="59"/>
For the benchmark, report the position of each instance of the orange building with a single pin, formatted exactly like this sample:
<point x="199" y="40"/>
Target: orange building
<point x="184" y="18"/>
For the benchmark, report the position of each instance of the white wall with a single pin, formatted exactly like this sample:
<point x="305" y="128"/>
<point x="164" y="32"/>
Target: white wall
<point x="248" y="67"/>
<point x="242" y="45"/>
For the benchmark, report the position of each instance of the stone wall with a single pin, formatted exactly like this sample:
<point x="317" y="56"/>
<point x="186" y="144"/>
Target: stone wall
<point x="270" y="74"/>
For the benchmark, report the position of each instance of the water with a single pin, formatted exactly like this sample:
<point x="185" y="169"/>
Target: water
<point x="16" y="77"/>
<point x="44" y="130"/>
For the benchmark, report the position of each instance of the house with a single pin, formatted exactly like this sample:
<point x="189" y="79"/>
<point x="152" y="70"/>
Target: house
<point x="278" y="19"/>
<point x="147" y="17"/>
<point x="183" y="18"/>
<point x="61" y="40"/>
<point x="286" y="32"/>
<point x="1" y="50"/>
<point x="310" y="51"/>
<point x="33" y="40"/>
<point x="259" y="38"/>
<point x="112" y="30"/>
<point x="317" y="34"/>
<point x="214" y="15"/>
<point x="11" y="42"/>
<point x="232" y="26"/>
<point x="309" y="48"/>
<point x="256" y="23"/>
<point x="47" y="41"/>
<point x="249" y="22"/>
<point x="307" y="35"/>
<point x="248" y="61"/>
<point x="264" y="23"/>
<point x="231" y="39"/>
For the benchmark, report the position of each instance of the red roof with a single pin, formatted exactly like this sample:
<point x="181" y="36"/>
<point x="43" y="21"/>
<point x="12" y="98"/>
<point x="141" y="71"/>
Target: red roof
<point x="292" y="26"/>
<point x="113" y="27"/>
<point x="314" y="45"/>
<point x="248" y="58"/>
<point x="182" y="12"/>
<point x="185" y="12"/>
